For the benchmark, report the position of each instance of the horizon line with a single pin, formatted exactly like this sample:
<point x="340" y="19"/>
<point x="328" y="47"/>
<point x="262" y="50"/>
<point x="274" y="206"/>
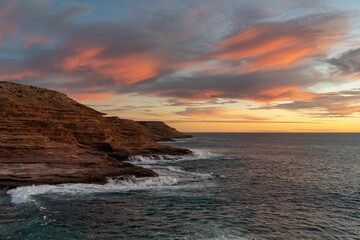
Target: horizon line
<point x="275" y="132"/>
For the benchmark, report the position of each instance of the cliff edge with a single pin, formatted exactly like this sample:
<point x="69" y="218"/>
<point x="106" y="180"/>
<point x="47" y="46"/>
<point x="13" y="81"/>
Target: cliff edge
<point x="160" y="131"/>
<point x="46" y="137"/>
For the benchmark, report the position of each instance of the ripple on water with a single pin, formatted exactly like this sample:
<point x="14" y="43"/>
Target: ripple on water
<point x="276" y="187"/>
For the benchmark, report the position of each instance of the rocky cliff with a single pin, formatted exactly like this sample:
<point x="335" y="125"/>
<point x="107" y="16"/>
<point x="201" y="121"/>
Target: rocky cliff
<point x="159" y="131"/>
<point x="46" y="137"/>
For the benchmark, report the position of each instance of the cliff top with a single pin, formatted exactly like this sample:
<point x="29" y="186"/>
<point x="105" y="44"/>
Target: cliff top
<point x="46" y="137"/>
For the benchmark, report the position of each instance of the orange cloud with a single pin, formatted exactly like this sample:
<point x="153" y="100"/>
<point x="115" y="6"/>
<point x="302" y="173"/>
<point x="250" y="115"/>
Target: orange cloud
<point x="282" y="93"/>
<point x="340" y="104"/>
<point x="282" y="58"/>
<point x="263" y="51"/>
<point x="343" y="111"/>
<point x="133" y="68"/>
<point x="207" y="112"/>
<point x="277" y="45"/>
<point x="206" y="94"/>
<point x="265" y="47"/>
<point x="242" y="37"/>
<point x="218" y="113"/>
<point x="128" y="68"/>
<point x="81" y="59"/>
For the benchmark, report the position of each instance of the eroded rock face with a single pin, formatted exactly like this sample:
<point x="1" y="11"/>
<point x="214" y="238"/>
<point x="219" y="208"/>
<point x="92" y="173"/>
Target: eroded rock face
<point x="160" y="131"/>
<point x="46" y="137"/>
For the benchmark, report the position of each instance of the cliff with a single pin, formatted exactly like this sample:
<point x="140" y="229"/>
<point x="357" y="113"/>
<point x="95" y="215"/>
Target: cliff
<point x="159" y="131"/>
<point x="46" y="137"/>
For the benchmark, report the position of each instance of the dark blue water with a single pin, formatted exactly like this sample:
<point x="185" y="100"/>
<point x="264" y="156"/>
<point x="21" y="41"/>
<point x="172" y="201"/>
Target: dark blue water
<point x="250" y="186"/>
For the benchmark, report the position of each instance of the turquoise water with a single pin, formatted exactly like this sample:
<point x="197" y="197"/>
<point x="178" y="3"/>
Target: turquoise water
<point x="235" y="186"/>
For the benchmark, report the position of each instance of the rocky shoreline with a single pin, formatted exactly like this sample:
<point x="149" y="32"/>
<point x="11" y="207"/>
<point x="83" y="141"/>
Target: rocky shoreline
<point x="48" y="138"/>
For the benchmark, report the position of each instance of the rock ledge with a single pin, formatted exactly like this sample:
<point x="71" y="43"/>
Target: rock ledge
<point x="48" y="138"/>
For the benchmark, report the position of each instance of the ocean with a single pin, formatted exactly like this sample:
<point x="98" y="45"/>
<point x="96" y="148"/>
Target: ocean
<point x="234" y="186"/>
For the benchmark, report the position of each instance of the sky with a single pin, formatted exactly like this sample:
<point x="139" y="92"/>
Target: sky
<point x="198" y="65"/>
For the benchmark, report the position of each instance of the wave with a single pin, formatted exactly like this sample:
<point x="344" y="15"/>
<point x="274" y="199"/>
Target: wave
<point x="183" y="174"/>
<point x="197" y="154"/>
<point x="24" y="194"/>
<point x="176" y="140"/>
<point x="169" y="177"/>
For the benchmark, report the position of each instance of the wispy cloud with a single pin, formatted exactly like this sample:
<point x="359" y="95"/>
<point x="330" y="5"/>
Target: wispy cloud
<point x="217" y="112"/>
<point x="348" y="63"/>
<point x="281" y="44"/>
<point x="340" y="104"/>
<point x="239" y="121"/>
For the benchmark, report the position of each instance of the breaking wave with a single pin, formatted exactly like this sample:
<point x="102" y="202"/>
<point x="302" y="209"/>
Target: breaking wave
<point x="197" y="154"/>
<point x="169" y="177"/>
<point x="24" y="194"/>
<point x="176" y="140"/>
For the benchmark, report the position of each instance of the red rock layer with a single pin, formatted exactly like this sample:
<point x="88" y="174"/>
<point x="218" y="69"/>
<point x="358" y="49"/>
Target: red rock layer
<point x="160" y="131"/>
<point x="46" y="137"/>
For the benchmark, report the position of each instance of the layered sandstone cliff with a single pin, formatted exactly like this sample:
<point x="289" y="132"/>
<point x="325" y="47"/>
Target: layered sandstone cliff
<point x="159" y="131"/>
<point x="46" y="137"/>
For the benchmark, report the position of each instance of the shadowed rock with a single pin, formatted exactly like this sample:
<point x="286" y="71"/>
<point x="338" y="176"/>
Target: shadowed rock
<point x="46" y="137"/>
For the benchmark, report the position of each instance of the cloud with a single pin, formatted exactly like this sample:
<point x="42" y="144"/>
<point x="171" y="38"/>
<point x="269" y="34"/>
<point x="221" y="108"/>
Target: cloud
<point x="340" y="104"/>
<point x="280" y="44"/>
<point x="188" y="53"/>
<point x="237" y="121"/>
<point x="7" y="27"/>
<point x="266" y="62"/>
<point x="101" y="53"/>
<point x="348" y="63"/>
<point x="216" y="101"/>
<point x="27" y="21"/>
<point x="144" y="108"/>
<point x="206" y="112"/>
<point x="264" y="86"/>
<point x="29" y="34"/>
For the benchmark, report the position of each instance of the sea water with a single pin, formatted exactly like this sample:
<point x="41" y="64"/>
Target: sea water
<point x="234" y="186"/>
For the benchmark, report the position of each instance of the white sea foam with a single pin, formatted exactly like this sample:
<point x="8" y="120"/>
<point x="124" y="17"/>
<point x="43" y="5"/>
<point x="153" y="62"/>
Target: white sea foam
<point x="24" y="194"/>
<point x="196" y="154"/>
<point x="169" y="177"/>
<point x="184" y="174"/>
<point x="176" y="140"/>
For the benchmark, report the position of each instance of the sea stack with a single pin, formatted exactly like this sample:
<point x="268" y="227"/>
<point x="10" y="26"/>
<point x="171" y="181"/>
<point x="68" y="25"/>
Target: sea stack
<point x="48" y="138"/>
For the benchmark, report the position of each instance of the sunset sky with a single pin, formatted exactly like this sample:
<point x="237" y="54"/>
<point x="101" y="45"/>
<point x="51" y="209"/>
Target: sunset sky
<point x="201" y="65"/>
